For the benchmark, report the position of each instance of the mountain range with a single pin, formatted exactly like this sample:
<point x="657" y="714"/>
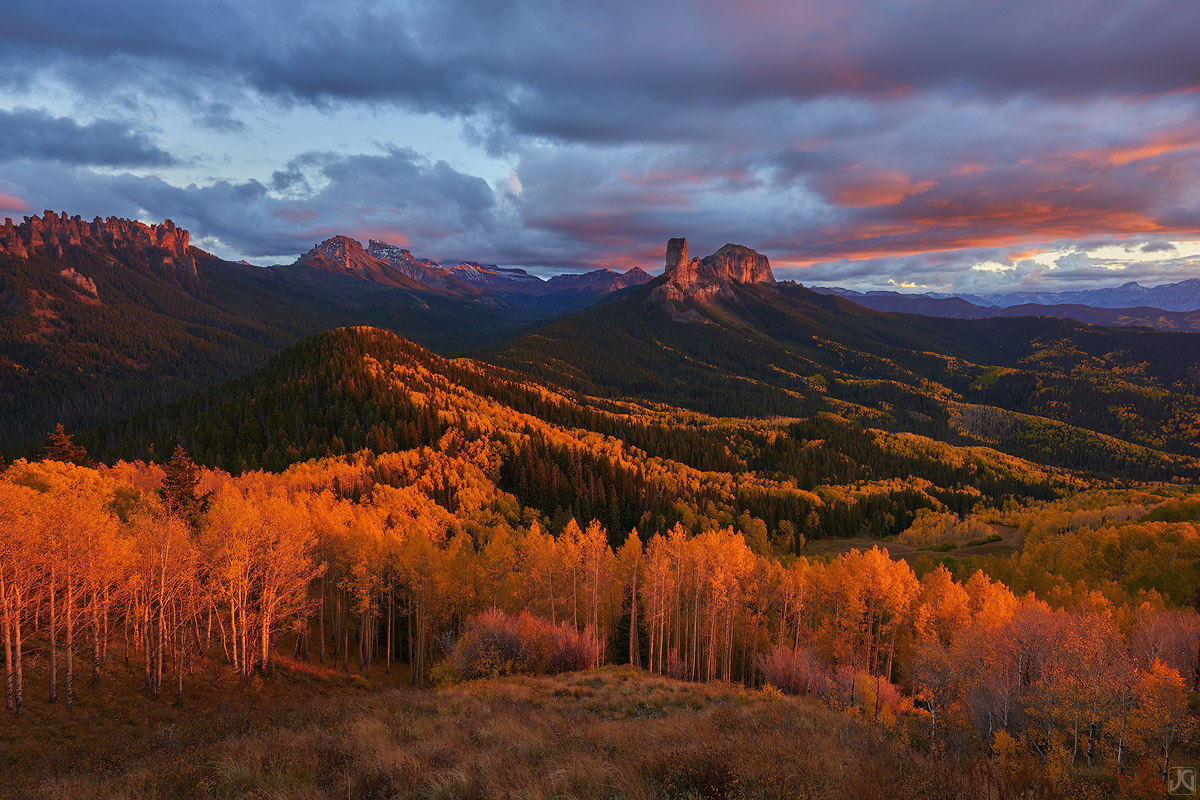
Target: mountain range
<point x="975" y="307"/>
<point x="102" y="319"/>
<point x="1180" y="296"/>
<point x="129" y="327"/>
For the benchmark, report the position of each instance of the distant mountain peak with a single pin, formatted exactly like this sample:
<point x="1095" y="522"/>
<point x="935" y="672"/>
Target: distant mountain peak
<point x="342" y="255"/>
<point x="392" y="265"/>
<point x="714" y="274"/>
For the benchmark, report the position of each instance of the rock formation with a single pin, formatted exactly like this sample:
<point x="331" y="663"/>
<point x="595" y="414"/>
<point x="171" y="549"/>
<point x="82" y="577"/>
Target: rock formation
<point x="712" y="275"/>
<point x="52" y="233"/>
<point x="83" y="283"/>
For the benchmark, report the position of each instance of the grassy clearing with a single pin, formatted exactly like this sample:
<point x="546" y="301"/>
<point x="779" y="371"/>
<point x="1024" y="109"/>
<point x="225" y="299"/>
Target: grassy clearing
<point x="317" y="733"/>
<point x="1010" y="541"/>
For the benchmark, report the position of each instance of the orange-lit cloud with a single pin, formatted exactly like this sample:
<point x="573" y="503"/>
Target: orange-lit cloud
<point x="10" y="203"/>
<point x="1021" y="255"/>
<point x="857" y="188"/>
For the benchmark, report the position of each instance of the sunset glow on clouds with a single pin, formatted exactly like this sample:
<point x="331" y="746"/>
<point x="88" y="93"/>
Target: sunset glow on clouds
<point x="963" y="146"/>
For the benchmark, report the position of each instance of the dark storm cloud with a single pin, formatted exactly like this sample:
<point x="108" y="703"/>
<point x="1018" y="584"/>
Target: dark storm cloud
<point x="900" y="137"/>
<point x="593" y="71"/>
<point x="32" y="134"/>
<point x="395" y="195"/>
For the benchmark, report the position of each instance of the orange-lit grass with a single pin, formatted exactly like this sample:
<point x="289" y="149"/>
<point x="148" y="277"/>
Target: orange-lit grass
<point x="305" y="732"/>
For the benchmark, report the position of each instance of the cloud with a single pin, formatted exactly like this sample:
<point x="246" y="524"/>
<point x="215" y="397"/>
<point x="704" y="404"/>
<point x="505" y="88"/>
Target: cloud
<point x="10" y="202"/>
<point x="870" y="139"/>
<point x="395" y="194"/>
<point x="34" y="134"/>
<point x="591" y="73"/>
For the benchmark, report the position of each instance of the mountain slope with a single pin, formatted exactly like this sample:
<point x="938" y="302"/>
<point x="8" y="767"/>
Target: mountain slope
<point x="569" y="454"/>
<point x="757" y="349"/>
<point x="99" y="320"/>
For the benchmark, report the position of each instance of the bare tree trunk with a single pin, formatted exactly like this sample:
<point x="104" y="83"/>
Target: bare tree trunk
<point x="179" y="668"/>
<point x="104" y="615"/>
<point x="69" y="686"/>
<point x="8" y="652"/>
<point x="95" y="638"/>
<point x="233" y="635"/>
<point x="160" y="647"/>
<point x="20" y="691"/>
<point x="147" y="648"/>
<point x="370" y="640"/>
<point x="324" y="581"/>
<point x="634" y="650"/>
<point x="53" y="644"/>
<point x="266" y="640"/>
<point x="391" y="614"/>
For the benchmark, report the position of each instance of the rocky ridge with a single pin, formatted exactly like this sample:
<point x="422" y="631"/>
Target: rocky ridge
<point x="52" y="233"/>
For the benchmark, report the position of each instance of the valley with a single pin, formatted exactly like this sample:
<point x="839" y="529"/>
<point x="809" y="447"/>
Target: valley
<point x="776" y="510"/>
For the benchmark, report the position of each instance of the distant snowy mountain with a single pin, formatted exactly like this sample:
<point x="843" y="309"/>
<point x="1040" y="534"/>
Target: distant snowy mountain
<point x="957" y="307"/>
<point x="1182" y="296"/>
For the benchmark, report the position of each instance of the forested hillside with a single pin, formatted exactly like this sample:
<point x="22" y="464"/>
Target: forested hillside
<point x="147" y="336"/>
<point x="715" y="505"/>
<point x="1105" y="400"/>
<point x="569" y="454"/>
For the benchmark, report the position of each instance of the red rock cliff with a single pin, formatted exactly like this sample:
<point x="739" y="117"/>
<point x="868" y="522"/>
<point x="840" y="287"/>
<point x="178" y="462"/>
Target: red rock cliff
<point x="54" y="232"/>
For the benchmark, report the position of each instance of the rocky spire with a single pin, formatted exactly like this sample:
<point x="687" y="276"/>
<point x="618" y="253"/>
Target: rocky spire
<point x="714" y="274"/>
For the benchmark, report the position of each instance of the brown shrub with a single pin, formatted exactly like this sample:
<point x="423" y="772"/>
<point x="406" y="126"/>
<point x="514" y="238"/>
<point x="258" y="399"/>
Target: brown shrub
<point x="793" y="670"/>
<point x="495" y="643"/>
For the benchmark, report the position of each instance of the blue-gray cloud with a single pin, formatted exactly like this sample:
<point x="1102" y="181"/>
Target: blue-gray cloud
<point x="33" y="134"/>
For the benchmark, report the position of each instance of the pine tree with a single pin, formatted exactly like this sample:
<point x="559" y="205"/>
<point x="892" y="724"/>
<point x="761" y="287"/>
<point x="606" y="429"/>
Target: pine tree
<point x="179" y="486"/>
<point x="59" y="447"/>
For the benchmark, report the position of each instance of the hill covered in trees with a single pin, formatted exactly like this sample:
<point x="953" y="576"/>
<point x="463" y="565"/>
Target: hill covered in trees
<point x="569" y="454"/>
<point x="82" y="359"/>
<point x="1117" y="402"/>
<point x="1071" y="678"/>
<point x="688" y="479"/>
<point x="104" y="319"/>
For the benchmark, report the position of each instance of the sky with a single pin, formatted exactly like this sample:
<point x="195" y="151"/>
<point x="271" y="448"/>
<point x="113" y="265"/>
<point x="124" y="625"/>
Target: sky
<point x="978" y="146"/>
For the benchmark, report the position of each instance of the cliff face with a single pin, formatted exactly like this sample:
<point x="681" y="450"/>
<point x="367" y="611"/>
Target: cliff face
<point x="712" y="275"/>
<point x="342" y="255"/>
<point x="51" y="233"/>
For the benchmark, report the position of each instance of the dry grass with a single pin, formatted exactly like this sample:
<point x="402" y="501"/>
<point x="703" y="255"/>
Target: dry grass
<point x="1011" y="541"/>
<point x="613" y="732"/>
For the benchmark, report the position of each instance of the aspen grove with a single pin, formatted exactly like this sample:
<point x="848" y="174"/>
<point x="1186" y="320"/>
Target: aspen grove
<point x="375" y="561"/>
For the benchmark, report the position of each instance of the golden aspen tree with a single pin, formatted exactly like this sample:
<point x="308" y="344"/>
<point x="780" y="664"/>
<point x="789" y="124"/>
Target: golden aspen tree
<point x="627" y="571"/>
<point x="1162" y="720"/>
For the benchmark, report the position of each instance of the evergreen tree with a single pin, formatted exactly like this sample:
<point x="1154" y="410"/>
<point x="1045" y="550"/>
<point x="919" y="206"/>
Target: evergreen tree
<point x="179" y="486"/>
<point x="59" y="447"/>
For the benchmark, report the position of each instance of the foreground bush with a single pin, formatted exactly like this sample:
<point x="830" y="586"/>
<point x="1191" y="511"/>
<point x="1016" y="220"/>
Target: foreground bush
<point x="495" y="643"/>
<point x="793" y="670"/>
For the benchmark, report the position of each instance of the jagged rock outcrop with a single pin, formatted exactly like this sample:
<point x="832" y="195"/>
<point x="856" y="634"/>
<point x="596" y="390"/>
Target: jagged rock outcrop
<point x="422" y="270"/>
<point x="83" y="283"/>
<point x="52" y="233"/>
<point x="713" y="275"/>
